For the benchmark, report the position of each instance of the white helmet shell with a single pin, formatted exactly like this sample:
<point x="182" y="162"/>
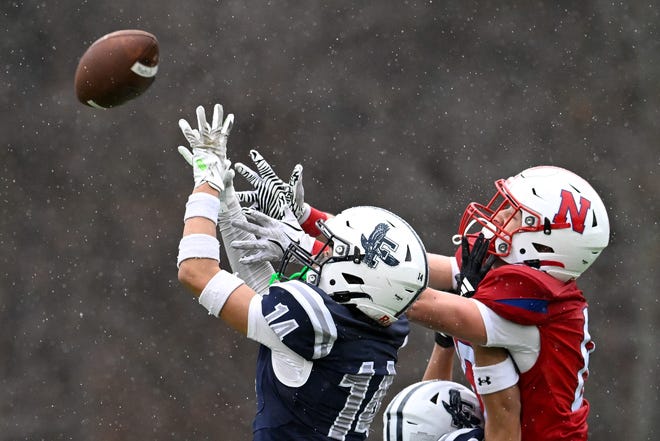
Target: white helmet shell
<point x="378" y="262"/>
<point x="564" y="223"/>
<point x="427" y="410"/>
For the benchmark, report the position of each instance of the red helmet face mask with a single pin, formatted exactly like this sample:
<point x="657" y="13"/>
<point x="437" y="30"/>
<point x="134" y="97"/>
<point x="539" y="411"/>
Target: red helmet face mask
<point x="501" y="218"/>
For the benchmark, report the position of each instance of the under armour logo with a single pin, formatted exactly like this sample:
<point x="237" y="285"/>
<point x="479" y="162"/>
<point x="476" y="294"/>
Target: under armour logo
<point x="379" y="246"/>
<point x="483" y="381"/>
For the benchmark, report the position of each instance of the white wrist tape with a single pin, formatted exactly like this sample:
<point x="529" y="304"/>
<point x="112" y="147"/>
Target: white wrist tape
<point x="217" y="291"/>
<point x="496" y="377"/>
<point x="202" y="205"/>
<point x="198" y="246"/>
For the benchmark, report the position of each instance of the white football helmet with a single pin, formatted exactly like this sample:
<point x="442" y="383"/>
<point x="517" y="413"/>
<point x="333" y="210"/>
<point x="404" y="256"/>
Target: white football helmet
<point x="564" y="224"/>
<point x="427" y="410"/>
<point x="373" y="260"/>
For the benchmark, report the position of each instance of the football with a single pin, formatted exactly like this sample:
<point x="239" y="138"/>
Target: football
<point x="116" y="68"/>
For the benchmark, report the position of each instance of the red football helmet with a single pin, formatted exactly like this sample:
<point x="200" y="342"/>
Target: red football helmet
<point x="563" y="224"/>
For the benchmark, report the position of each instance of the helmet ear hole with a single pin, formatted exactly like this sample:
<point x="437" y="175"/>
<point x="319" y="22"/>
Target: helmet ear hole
<point x="540" y="248"/>
<point x="408" y="254"/>
<point x="352" y="279"/>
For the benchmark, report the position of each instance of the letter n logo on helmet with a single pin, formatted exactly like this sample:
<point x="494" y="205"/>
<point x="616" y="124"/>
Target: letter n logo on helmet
<point x="568" y="205"/>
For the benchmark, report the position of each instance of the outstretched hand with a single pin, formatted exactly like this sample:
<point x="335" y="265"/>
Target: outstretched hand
<point x="209" y="148"/>
<point x="473" y="267"/>
<point x="271" y="195"/>
<point x="272" y="236"/>
<point x="209" y="136"/>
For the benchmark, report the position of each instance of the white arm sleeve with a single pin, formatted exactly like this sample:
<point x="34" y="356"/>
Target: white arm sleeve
<point x="258" y="329"/>
<point x="290" y="368"/>
<point x="256" y="275"/>
<point x="523" y="342"/>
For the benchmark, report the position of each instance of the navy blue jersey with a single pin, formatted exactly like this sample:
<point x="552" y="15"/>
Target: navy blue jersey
<point x="352" y="366"/>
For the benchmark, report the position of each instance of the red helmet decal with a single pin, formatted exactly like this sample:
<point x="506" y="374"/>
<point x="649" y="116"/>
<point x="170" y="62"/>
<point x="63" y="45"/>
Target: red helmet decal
<point x="384" y="320"/>
<point x="568" y="205"/>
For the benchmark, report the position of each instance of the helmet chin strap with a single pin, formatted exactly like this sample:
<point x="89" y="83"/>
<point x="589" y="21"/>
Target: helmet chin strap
<point x="487" y="232"/>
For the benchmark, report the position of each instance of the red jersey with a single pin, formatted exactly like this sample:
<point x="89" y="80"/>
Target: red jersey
<point x="551" y="391"/>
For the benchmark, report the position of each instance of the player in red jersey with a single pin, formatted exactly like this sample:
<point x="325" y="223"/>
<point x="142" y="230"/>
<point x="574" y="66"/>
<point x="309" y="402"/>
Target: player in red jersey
<point x="546" y="226"/>
<point x="523" y="337"/>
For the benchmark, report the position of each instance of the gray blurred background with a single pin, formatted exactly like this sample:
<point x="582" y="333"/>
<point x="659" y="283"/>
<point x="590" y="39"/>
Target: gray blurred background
<point x="416" y="106"/>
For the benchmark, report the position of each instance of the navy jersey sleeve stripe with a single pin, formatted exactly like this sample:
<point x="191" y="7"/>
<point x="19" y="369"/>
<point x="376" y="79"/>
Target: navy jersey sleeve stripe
<point x="325" y="330"/>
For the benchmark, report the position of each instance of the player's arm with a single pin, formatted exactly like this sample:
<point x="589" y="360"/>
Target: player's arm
<point x="450" y="314"/>
<point x="217" y="289"/>
<point x="221" y="292"/>
<point x="496" y="380"/>
<point x="441" y="271"/>
<point x="441" y="362"/>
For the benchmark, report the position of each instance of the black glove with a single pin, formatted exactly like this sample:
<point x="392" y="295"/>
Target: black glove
<point x="444" y="340"/>
<point x="473" y="267"/>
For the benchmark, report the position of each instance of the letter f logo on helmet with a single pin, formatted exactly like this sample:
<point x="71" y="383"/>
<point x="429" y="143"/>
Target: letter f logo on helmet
<point x="568" y="205"/>
<point x="379" y="246"/>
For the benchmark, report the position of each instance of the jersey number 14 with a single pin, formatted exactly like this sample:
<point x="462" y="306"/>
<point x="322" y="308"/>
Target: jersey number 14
<point x="359" y="388"/>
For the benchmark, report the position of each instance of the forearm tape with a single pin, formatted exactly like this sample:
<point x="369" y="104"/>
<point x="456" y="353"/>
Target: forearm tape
<point x="256" y="275"/>
<point x="217" y="291"/>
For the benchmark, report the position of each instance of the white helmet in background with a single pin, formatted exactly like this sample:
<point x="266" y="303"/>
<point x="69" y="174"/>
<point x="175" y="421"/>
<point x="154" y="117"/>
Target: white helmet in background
<point x="428" y="410"/>
<point x="377" y="262"/>
<point x="564" y="221"/>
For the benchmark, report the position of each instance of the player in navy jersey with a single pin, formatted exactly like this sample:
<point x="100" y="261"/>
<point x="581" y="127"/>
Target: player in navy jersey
<point x="329" y="333"/>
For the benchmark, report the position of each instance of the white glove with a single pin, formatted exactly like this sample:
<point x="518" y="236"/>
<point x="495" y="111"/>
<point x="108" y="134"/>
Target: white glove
<point x="209" y="136"/>
<point x="209" y="148"/>
<point x="226" y="177"/>
<point x="273" y="236"/>
<point x="271" y="194"/>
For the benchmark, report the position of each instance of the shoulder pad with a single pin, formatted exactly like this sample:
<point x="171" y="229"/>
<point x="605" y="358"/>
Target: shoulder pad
<point x="517" y="293"/>
<point x="299" y="316"/>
